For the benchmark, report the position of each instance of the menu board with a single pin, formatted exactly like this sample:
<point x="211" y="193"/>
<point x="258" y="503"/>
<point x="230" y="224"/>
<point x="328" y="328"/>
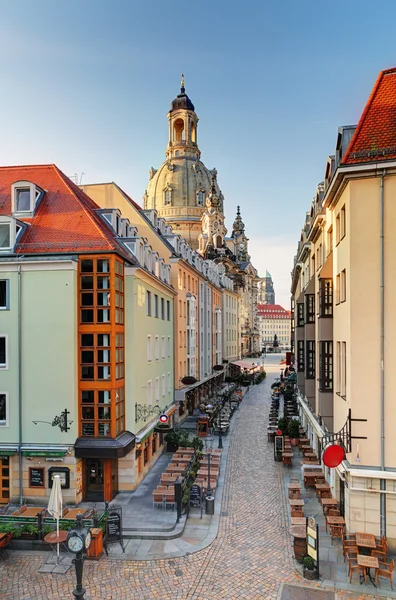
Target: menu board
<point x="36" y="477"/>
<point x="114" y="527"/>
<point x="195" y="496"/>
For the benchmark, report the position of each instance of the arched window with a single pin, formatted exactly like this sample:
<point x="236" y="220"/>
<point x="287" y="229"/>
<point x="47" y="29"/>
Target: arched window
<point x="193" y="133"/>
<point x="200" y="197"/>
<point x="219" y="241"/>
<point x="167" y="196"/>
<point x="178" y="129"/>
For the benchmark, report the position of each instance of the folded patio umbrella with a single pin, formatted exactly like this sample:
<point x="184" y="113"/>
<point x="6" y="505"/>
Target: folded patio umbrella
<point x="55" y="504"/>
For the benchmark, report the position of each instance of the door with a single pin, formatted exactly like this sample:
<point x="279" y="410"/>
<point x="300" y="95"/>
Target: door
<point x="4" y="480"/>
<point x="342" y="498"/>
<point x="94" y="482"/>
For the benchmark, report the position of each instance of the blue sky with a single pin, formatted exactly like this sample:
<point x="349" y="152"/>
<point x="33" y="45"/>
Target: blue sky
<point x="87" y="85"/>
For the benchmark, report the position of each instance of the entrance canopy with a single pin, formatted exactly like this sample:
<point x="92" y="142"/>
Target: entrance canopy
<point x="105" y="447"/>
<point x="244" y="364"/>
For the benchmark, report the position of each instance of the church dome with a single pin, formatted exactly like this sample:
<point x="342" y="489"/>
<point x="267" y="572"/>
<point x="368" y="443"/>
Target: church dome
<point x="182" y="101"/>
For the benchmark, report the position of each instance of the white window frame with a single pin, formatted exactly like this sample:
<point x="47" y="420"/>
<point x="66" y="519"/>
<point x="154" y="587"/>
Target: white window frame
<point x="169" y="346"/>
<point x="4" y="366"/>
<point x="7" y="405"/>
<point x="7" y="295"/>
<point x="150" y="392"/>
<point x="11" y="229"/>
<point x="156" y="347"/>
<point x="163" y="346"/>
<point x="35" y="194"/>
<point x="149" y="349"/>
<point x="163" y="385"/>
<point x="169" y="383"/>
<point x="157" y="390"/>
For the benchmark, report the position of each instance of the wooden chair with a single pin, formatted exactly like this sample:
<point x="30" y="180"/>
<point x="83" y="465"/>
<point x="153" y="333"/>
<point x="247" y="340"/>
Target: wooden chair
<point x="379" y="554"/>
<point x="349" y="548"/>
<point x="334" y="512"/>
<point x="336" y="532"/>
<point x="385" y="570"/>
<point x="381" y="544"/>
<point x="325" y="494"/>
<point x="352" y="560"/>
<point x="296" y="512"/>
<point x="157" y="499"/>
<point x="356" y="568"/>
<point x="294" y="495"/>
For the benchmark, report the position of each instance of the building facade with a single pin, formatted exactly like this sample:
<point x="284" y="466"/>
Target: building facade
<point x="343" y="333"/>
<point x="274" y="320"/>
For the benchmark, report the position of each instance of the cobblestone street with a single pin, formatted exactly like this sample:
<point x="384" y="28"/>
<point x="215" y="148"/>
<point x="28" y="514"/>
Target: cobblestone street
<point x="250" y="558"/>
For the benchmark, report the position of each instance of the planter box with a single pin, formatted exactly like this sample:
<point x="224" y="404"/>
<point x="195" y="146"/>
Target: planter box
<point x="29" y="536"/>
<point x="310" y="574"/>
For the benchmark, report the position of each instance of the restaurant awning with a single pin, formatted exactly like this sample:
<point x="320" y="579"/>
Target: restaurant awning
<point x="105" y="447"/>
<point x="244" y="364"/>
<point x="180" y="394"/>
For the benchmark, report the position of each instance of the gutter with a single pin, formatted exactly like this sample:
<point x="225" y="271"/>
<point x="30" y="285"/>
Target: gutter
<point x="20" y="421"/>
<point x="382" y="354"/>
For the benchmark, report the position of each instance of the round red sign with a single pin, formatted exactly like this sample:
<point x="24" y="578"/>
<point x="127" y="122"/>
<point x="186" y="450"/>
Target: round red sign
<point x="333" y="456"/>
<point x="164" y="418"/>
<point x="278" y="432"/>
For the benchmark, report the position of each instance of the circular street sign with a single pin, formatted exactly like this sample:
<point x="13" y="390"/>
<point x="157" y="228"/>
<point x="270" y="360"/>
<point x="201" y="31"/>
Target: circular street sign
<point x="278" y="432"/>
<point x="333" y="456"/>
<point x="163" y="418"/>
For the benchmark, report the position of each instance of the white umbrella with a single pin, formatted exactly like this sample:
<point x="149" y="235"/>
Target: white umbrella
<point x="55" y="504"/>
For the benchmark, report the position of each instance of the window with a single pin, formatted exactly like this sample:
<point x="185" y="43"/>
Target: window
<point x="163" y="346"/>
<point x="338" y="283"/>
<point x="343" y="370"/>
<point x="163" y="381"/>
<point x="300" y="314"/>
<point x="168" y="197"/>
<point x="310" y="360"/>
<point x="149" y="349"/>
<point x="342" y="222"/>
<point x="169" y="383"/>
<point x="325" y="297"/>
<point x="22" y="200"/>
<point x="300" y="356"/>
<point x="156" y="306"/>
<point x="148" y="303"/>
<point x="169" y="346"/>
<point x="5" y="236"/>
<point x="156" y="347"/>
<point x="150" y="393"/>
<point x="325" y="366"/>
<point x="4" y="294"/>
<point x="200" y="198"/>
<point x="3" y="352"/>
<point x="3" y="409"/>
<point x="162" y="308"/>
<point x="168" y="313"/>
<point x="338" y="358"/>
<point x="310" y="308"/>
<point x="157" y="390"/>
<point x="343" y="286"/>
<point x="338" y="229"/>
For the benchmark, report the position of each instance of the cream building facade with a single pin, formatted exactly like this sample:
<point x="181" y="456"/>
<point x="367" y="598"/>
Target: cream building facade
<point x="274" y="320"/>
<point x="343" y="292"/>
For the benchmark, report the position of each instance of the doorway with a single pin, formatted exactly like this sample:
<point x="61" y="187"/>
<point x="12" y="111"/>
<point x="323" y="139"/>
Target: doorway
<point x="342" y="498"/>
<point x="94" y="480"/>
<point x="4" y="480"/>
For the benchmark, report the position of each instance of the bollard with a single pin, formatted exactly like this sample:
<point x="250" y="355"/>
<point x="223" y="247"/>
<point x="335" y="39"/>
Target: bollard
<point x="178" y="498"/>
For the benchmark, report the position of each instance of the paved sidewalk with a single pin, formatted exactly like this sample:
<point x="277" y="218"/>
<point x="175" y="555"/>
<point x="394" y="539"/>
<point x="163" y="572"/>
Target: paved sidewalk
<point x="249" y="559"/>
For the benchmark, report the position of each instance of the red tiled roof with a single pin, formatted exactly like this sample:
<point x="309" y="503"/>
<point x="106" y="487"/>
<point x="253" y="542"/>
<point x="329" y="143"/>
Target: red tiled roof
<point x="65" y="220"/>
<point x="273" y="311"/>
<point x="375" y="137"/>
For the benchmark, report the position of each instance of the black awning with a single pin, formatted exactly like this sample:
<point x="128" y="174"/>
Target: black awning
<point x="105" y="447"/>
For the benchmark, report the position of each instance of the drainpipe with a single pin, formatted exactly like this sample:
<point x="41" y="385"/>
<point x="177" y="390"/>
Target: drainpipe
<point x="382" y="356"/>
<point x="20" y="383"/>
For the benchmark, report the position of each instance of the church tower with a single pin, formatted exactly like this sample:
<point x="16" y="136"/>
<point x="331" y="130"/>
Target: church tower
<point x="239" y="239"/>
<point x="178" y="189"/>
<point x="213" y="229"/>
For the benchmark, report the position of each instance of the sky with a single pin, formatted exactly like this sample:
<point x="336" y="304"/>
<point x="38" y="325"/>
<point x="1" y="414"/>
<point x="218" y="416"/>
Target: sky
<point x="87" y="84"/>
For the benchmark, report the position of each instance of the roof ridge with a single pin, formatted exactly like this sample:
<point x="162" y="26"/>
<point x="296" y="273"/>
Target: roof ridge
<point x="364" y="114"/>
<point x="66" y="181"/>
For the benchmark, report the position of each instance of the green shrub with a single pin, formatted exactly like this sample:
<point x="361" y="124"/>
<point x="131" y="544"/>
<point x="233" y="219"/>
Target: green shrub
<point x="309" y="563"/>
<point x="293" y="428"/>
<point x="29" y="528"/>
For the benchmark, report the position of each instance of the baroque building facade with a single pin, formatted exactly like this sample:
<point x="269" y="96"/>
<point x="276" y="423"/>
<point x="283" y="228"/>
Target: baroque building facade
<point x="187" y="195"/>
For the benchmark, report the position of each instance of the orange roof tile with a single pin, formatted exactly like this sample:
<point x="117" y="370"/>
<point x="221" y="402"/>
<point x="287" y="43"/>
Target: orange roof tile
<point x="65" y="220"/>
<point x="375" y="137"/>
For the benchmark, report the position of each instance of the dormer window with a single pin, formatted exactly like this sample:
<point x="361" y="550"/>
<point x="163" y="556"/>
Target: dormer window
<point x="200" y="197"/>
<point x="25" y="197"/>
<point x="5" y="236"/>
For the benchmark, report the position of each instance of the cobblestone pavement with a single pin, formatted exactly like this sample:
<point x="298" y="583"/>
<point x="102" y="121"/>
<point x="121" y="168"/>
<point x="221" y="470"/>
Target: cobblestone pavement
<point x="249" y="559"/>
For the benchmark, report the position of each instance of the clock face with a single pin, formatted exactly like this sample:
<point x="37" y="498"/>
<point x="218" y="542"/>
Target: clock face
<point x="88" y="540"/>
<point x="75" y="543"/>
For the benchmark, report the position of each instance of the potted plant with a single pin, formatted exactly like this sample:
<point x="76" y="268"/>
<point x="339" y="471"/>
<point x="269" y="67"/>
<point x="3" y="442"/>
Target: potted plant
<point x="283" y="425"/>
<point x="309" y="569"/>
<point x="294" y="431"/>
<point x="29" y="531"/>
<point x="172" y="441"/>
<point x="197" y="444"/>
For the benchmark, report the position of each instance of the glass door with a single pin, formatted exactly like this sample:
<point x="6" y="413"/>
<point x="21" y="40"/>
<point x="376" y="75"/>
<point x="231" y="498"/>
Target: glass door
<point x="94" y="480"/>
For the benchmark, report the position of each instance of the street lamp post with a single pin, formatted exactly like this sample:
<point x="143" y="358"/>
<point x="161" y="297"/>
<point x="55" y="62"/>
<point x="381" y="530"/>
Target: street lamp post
<point x="78" y="541"/>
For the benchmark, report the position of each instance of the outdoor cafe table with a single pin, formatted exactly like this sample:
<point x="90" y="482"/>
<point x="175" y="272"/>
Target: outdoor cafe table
<point x="368" y="562"/>
<point x="53" y="539"/>
<point x="294" y="486"/>
<point x="328" y="503"/>
<point x="72" y="514"/>
<point x="365" y="540"/>
<point x="296" y="502"/>
<point x="298" y="520"/>
<point x="335" y="521"/>
<point x="30" y="512"/>
<point x="175" y="469"/>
